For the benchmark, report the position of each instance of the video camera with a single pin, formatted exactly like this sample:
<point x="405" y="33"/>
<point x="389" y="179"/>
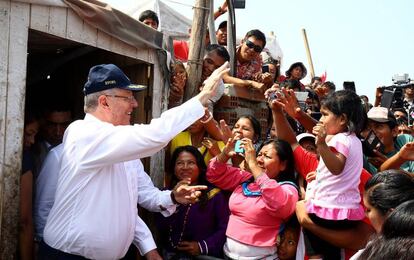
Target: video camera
<point x="393" y="96"/>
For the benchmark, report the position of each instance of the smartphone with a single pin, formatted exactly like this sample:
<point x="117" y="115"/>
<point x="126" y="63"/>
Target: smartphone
<point x="370" y="143"/>
<point x="349" y="85"/>
<point x="238" y="148"/>
<point x="265" y="68"/>
<point x="386" y="98"/>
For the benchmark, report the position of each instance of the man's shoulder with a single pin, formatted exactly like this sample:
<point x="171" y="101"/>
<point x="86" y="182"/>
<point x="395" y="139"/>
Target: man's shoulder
<point x="401" y="140"/>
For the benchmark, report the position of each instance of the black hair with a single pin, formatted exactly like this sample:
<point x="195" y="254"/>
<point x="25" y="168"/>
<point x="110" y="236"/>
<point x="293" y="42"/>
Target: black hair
<point x="312" y="95"/>
<point x="220" y="50"/>
<point x="256" y="34"/>
<point x="293" y="66"/>
<point x="200" y="164"/>
<point x="348" y="103"/>
<point x="394" y="248"/>
<point x="388" y="189"/>
<point x="148" y="14"/>
<point x="291" y="224"/>
<point x="330" y="85"/>
<point x="400" y="222"/>
<point x="285" y="154"/>
<point x="291" y="84"/>
<point x="402" y="110"/>
<point x="315" y="79"/>
<point x="256" y="126"/>
<point x="396" y="240"/>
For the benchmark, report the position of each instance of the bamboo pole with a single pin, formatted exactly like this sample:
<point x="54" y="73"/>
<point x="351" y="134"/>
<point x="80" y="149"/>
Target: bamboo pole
<point x="197" y="46"/>
<point x="231" y="36"/>
<point x="211" y="26"/>
<point x="308" y="53"/>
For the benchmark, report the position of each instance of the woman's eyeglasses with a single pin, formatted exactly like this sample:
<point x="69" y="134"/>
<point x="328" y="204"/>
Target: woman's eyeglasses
<point x="253" y="46"/>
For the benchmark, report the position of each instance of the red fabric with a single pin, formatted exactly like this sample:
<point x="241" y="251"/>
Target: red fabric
<point x="305" y="162"/>
<point x="324" y="76"/>
<point x="181" y="50"/>
<point x="281" y="78"/>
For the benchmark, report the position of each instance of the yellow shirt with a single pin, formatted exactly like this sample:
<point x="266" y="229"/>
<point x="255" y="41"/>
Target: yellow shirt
<point x="184" y="138"/>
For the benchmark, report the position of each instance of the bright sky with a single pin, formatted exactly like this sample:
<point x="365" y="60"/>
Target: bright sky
<point x="366" y="41"/>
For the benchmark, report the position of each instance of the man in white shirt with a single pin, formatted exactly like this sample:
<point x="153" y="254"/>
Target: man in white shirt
<point x="149" y="197"/>
<point x="94" y="214"/>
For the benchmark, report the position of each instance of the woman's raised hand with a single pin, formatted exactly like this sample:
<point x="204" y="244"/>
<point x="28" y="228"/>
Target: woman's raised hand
<point x="249" y="152"/>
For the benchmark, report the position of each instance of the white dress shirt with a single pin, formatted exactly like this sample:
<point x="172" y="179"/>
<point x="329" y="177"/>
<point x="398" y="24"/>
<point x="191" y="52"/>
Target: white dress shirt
<point x="149" y="197"/>
<point x="95" y="209"/>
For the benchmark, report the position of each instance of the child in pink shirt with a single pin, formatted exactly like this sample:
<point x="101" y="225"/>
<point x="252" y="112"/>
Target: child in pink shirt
<point x="333" y="198"/>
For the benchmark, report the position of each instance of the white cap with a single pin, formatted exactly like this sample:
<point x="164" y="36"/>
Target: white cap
<point x="299" y="137"/>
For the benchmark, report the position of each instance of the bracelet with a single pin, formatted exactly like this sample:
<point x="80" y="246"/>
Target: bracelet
<point x="173" y="198"/>
<point x="207" y="120"/>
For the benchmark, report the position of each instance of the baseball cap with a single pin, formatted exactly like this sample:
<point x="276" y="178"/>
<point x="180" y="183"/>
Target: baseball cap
<point x="108" y="76"/>
<point x="223" y="24"/>
<point x="381" y="115"/>
<point x="301" y="136"/>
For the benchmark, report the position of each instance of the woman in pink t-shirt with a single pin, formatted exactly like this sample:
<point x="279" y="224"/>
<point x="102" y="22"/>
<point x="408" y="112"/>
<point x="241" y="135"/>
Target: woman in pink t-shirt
<point x="263" y="196"/>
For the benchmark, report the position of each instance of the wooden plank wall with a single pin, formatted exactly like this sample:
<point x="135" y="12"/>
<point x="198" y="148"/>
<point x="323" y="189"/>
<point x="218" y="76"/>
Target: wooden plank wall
<point x="14" y="36"/>
<point x="15" y="20"/>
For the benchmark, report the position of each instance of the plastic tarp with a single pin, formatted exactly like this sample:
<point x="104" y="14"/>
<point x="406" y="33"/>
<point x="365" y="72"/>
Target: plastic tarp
<point x="171" y="22"/>
<point x="115" y="23"/>
<point x="112" y="21"/>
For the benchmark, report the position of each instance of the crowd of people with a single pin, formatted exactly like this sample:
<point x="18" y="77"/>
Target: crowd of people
<point x="332" y="179"/>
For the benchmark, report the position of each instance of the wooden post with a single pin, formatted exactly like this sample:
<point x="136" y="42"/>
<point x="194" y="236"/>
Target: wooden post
<point x="308" y="53"/>
<point x="231" y="36"/>
<point x="211" y="26"/>
<point x="14" y="24"/>
<point x="197" y="45"/>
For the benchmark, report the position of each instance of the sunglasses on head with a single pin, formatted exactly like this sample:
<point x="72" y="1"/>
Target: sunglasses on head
<point x="253" y="46"/>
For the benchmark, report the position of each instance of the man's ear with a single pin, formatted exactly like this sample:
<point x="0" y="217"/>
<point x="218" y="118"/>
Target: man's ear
<point x="103" y="101"/>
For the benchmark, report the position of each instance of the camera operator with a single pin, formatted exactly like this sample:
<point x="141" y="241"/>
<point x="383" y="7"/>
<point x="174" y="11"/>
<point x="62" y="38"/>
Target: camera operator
<point x="401" y="93"/>
<point x="408" y="102"/>
<point x="384" y="125"/>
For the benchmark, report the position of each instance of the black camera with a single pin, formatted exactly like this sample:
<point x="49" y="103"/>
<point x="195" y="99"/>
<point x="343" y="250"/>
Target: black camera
<point x="370" y="143"/>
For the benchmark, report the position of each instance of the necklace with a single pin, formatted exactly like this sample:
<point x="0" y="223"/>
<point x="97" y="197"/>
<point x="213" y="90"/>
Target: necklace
<point x="182" y="231"/>
<point x="247" y="192"/>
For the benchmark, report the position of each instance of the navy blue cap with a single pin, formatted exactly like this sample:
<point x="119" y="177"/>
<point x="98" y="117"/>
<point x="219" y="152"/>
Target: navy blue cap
<point x="108" y="76"/>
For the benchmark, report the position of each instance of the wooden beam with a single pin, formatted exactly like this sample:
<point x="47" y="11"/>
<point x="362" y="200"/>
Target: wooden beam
<point x="308" y="54"/>
<point x="197" y="46"/>
<point x="13" y="118"/>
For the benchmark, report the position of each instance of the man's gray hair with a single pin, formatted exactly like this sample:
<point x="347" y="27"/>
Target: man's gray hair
<point x="91" y="100"/>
